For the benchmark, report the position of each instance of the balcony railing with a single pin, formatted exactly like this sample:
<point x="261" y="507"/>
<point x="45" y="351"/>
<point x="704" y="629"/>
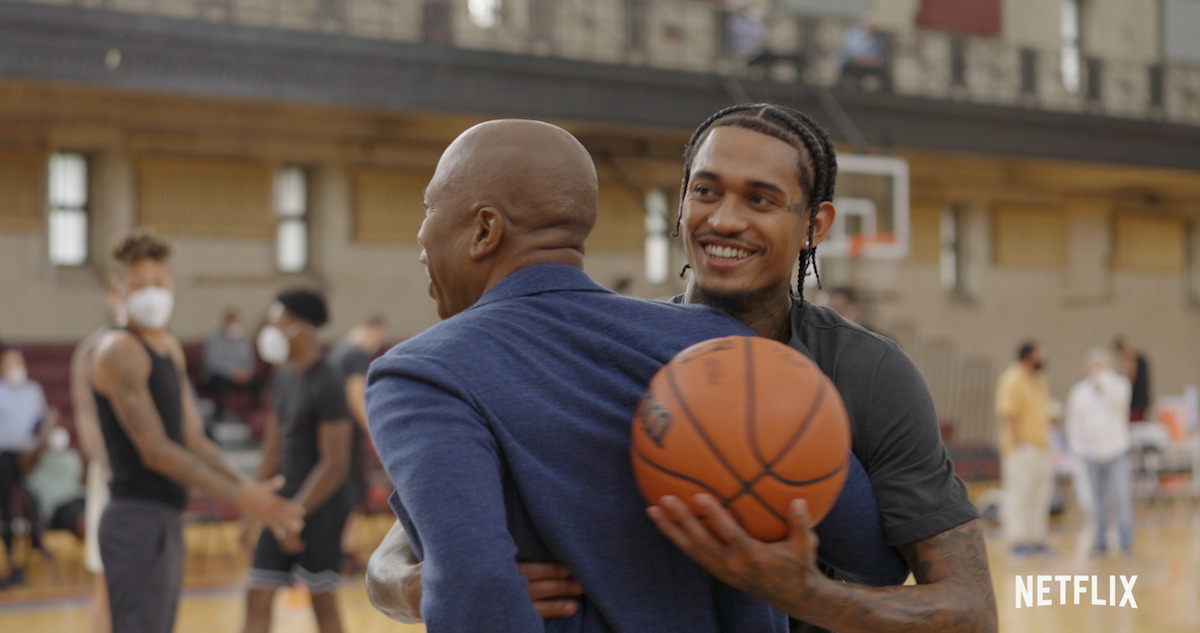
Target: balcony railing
<point x="691" y="36"/>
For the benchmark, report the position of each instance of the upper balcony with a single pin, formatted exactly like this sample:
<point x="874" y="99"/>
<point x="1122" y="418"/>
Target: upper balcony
<point x="693" y="36"/>
<point x="660" y="63"/>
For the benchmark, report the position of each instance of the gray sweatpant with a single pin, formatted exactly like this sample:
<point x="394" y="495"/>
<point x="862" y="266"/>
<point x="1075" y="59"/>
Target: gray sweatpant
<point x="141" y="544"/>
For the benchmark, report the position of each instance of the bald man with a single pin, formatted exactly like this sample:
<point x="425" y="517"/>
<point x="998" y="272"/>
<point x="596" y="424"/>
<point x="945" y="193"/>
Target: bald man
<point x="506" y="427"/>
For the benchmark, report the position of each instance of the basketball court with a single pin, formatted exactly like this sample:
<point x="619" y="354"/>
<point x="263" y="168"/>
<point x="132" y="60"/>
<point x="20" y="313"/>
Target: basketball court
<point x="1166" y="563"/>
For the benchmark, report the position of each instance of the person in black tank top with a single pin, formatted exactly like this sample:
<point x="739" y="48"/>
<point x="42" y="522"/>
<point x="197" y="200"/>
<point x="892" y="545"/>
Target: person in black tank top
<point x="131" y="479"/>
<point x="157" y="449"/>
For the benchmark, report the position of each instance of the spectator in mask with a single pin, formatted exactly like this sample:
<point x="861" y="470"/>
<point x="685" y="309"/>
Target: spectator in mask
<point x="1098" y="432"/>
<point x="57" y="483"/>
<point x="22" y="413"/>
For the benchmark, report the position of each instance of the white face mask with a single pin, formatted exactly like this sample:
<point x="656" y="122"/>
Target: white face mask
<point x="274" y="346"/>
<point x="17" y="375"/>
<point x="150" y="307"/>
<point x="60" y="439"/>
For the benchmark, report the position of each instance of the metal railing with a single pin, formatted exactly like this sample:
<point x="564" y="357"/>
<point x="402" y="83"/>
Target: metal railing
<point x="691" y="36"/>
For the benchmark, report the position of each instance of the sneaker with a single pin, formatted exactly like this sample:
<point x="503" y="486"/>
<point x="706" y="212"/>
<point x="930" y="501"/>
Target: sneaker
<point x="1043" y="549"/>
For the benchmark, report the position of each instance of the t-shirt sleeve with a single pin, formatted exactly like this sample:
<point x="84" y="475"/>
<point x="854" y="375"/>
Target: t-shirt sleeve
<point x="918" y="492"/>
<point x="331" y="401"/>
<point x="276" y="388"/>
<point x="354" y="362"/>
<point x="448" y="471"/>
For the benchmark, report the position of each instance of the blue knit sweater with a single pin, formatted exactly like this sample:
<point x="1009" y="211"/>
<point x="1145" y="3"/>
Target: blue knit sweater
<point x="506" y="431"/>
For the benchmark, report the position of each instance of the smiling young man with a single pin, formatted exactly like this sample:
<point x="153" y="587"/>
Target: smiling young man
<point x="756" y="200"/>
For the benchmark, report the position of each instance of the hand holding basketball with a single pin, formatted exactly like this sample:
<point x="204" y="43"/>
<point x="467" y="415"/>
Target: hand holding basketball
<point x="766" y="570"/>
<point x="751" y="422"/>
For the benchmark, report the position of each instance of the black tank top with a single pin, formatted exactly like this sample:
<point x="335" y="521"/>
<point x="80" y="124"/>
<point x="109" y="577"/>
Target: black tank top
<point x="130" y="477"/>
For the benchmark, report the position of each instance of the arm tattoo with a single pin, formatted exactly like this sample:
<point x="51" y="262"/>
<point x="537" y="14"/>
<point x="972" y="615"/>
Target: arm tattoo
<point x="953" y="594"/>
<point x="127" y="368"/>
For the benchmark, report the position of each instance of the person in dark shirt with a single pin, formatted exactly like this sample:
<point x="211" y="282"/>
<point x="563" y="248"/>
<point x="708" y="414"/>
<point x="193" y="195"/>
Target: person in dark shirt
<point x="157" y="448"/>
<point x="308" y="442"/>
<point x="229" y="364"/>
<point x="1134" y="366"/>
<point x="352" y="356"/>
<point x="756" y="200"/>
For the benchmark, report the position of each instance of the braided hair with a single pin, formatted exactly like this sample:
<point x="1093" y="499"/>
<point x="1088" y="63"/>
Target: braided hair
<point x="817" y="169"/>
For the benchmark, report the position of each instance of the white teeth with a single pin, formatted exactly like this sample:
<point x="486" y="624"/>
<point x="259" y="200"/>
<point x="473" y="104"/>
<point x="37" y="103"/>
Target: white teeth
<point x="726" y="252"/>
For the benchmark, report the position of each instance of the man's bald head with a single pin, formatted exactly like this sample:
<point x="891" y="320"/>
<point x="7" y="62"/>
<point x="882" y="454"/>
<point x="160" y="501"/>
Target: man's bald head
<point x="506" y="195"/>
<point x="536" y="174"/>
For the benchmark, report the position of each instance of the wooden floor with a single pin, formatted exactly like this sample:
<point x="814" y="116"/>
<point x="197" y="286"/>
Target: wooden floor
<point x="1167" y="590"/>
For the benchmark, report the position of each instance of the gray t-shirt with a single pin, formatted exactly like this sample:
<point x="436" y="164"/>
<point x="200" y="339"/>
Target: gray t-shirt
<point x="893" y="424"/>
<point x="349" y="359"/>
<point x="303" y="402"/>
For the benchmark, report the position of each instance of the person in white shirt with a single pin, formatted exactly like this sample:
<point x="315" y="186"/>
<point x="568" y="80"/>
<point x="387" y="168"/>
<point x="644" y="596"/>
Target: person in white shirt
<point x="1098" y="433"/>
<point x="22" y="414"/>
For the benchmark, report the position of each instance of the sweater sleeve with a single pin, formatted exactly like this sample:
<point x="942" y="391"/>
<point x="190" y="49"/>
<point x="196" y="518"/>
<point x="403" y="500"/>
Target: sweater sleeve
<point x="851" y="539"/>
<point x="448" y="472"/>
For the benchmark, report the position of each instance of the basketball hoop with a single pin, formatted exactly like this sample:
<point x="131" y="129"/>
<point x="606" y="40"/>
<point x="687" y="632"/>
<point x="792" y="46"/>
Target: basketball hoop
<point x="872" y="209"/>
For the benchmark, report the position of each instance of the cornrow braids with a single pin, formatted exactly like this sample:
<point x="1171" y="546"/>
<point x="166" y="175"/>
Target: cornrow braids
<point x="817" y="169"/>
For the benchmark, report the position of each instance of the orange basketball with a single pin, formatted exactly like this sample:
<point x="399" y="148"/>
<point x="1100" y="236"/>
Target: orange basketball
<point x="748" y="420"/>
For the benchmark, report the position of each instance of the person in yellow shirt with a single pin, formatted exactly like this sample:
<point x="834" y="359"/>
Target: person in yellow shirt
<point x="1026" y="470"/>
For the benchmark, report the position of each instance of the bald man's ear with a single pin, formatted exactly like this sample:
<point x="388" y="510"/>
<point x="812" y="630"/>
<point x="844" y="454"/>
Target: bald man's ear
<point x="489" y="231"/>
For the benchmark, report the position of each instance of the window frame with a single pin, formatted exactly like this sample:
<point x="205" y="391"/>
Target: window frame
<point x="286" y="218"/>
<point x="80" y="209"/>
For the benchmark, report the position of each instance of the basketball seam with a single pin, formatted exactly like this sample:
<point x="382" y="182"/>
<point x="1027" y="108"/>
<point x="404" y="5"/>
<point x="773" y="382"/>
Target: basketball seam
<point x="812" y="414"/>
<point x="750" y="412"/>
<point x="687" y="411"/>
<point x="725" y="501"/>
<point x="789" y="482"/>
<point x="807" y="482"/>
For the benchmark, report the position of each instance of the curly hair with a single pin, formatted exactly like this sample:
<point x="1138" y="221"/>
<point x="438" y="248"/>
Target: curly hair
<point x="141" y="244"/>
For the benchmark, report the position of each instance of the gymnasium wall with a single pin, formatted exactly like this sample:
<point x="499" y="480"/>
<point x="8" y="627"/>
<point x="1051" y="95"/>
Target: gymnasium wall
<point x="202" y="173"/>
<point x="1071" y="255"/>
<point x="1068" y="253"/>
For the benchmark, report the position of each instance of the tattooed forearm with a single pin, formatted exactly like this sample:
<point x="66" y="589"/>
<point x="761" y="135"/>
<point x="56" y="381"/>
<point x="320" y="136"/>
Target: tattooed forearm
<point x="121" y="373"/>
<point x="215" y="459"/>
<point x="197" y="440"/>
<point x="954" y="592"/>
